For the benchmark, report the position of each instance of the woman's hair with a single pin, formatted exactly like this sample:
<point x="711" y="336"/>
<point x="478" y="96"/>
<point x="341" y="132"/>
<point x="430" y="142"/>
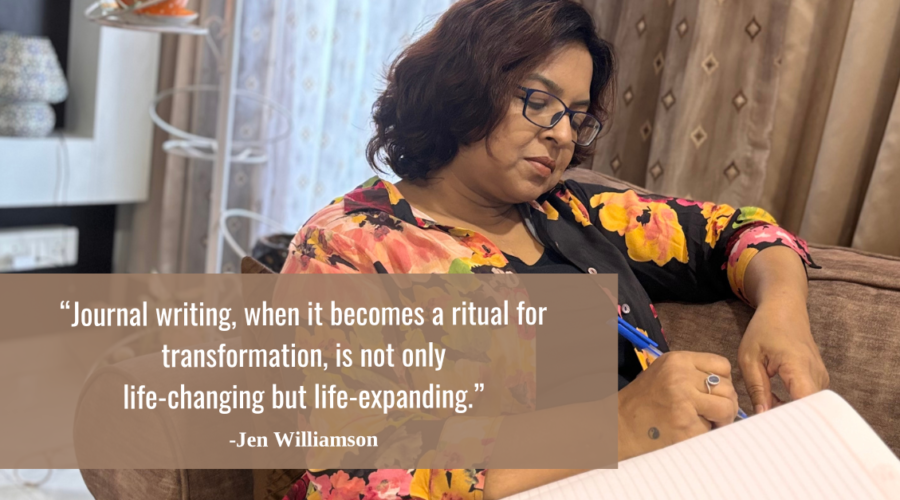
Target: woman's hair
<point x="453" y="86"/>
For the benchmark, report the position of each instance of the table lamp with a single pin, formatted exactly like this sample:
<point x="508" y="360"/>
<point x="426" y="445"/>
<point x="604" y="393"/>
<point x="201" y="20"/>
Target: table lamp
<point x="31" y="79"/>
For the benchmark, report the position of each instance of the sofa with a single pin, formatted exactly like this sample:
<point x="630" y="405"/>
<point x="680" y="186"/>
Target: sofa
<point x="854" y="306"/>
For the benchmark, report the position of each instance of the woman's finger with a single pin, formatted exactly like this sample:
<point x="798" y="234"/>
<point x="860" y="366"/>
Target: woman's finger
<point x="724" y="388"/>
<point x="756" y="378"/>
<point x="712" y="363"/>
<point x="717" y="409"/>
<point x="798" y="382"/>
<point x="776" y="401"/>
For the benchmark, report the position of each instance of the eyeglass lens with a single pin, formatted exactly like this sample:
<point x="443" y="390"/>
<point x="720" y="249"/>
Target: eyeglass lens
<point x="546" y="110"/>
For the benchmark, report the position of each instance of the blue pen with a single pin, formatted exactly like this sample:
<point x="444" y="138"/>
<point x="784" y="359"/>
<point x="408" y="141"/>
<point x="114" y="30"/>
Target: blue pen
<point x="640" y="335"/>
<point x="645" y="343"/>
<point x="638" y="339"/>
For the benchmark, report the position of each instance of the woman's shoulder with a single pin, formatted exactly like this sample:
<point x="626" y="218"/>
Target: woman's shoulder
<point x="343" y="236"/>
<point x="331" y="216"/>
<point x="341" y="211"/>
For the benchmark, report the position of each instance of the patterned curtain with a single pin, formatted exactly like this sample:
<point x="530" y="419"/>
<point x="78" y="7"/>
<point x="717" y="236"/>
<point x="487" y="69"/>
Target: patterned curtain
<point x="786" y="104"/>
<point x="792" y="105"/>
<point x="326" y="67"/>
<point x="696" y="93"/>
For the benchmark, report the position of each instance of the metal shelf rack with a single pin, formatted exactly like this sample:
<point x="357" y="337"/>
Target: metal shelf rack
<point x="222" y="150"/>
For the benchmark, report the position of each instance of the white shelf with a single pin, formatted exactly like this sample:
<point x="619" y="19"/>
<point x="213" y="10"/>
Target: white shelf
<point x="103" y="155"/>
<point x="96" y="14"/>
<point x="68" y="170"/>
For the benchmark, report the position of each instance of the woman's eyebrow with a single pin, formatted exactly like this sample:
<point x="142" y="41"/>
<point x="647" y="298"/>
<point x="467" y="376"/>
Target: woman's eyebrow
<point x="579" y="104"/>
<point x="550" y="84"/>
<point x="556" y="89"/>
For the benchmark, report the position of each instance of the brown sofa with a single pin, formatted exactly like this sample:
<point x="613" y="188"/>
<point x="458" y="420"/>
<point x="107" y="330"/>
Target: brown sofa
<point x="854" y="307"/>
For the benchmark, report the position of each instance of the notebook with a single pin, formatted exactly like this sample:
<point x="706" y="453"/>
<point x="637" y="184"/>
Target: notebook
<point x="816" y="447"/>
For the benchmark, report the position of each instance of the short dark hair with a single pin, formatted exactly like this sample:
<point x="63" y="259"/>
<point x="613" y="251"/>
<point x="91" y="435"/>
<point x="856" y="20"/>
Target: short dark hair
<point x="453" y="86"/>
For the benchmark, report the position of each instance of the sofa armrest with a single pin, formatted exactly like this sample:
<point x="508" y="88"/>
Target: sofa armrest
<point x="854" y="309"/>
<point x="169" y="484"/>
<point x="165" y="484"/>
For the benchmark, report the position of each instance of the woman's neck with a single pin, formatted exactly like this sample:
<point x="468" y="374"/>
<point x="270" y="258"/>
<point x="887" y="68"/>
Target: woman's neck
<point x="449" y="200"/>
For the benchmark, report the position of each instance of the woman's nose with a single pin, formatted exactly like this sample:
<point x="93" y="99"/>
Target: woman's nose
<point x="562" y="132"/>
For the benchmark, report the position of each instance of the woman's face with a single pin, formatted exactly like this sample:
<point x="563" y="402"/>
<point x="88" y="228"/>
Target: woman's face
<point x="526" y="160"/>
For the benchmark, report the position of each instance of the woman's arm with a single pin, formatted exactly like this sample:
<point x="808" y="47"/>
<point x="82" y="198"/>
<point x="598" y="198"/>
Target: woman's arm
<point x="682" y="249"/>
<point x="776" y="276"/>
<point x="778" y="339"/>
<point x="696" y="251"/>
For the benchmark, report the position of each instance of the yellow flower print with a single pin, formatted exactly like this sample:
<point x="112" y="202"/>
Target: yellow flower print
<point x="578" y="209"/>
<point x="551" y="212"/>
<point x="651" y="229"/>
<point x="484" y="253"/>
<point x="393" y="193"/>
<point x="737" y="271"/>
<point x="316" y="245"/>
<point x="495" y="260"/>
<point x="420" y="487"/>
<point x="749" y="215"/>
<point x="717" y="217"/>
<point x="461" y="232"/>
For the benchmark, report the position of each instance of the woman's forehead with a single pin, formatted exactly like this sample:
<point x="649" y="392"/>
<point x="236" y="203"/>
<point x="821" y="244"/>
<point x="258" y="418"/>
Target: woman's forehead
<point x="568" y="71"/>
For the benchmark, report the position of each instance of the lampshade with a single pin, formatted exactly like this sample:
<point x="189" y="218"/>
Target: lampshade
<point x="30" y="70"/>
<point x="26" y="119"/>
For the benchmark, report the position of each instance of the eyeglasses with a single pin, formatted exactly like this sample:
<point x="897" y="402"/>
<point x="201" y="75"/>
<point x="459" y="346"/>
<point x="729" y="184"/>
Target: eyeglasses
<point x="546" y="110"/>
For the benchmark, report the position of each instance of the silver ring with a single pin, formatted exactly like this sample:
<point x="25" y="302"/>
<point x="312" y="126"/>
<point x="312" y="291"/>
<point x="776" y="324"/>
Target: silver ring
<point x="712" y="380"/>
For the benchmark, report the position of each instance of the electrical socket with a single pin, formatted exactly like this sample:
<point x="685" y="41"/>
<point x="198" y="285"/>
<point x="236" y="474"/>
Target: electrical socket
<point x="40" y="247"/>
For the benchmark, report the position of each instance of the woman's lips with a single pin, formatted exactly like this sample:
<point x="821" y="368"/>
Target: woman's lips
<point x="543" y="165"/>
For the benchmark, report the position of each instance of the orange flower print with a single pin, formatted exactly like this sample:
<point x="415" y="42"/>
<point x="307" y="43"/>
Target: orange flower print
<point x="384" y="484"/>
<point x="717" y="217"/>
<point x="316" y="244"/>
<point x="578" y="210"/>
<point x="484" y="253"/>
<point x="651" y="229"/>
<point x="346" y="488"/>
<point x="338" y="486"/>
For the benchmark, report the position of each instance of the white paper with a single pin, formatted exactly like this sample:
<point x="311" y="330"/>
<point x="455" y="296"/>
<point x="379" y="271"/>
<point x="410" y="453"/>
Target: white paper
<point x="817" y="447"/>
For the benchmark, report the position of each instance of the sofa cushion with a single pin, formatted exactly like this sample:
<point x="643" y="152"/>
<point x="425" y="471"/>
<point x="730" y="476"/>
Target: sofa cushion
<point x="591" y="177"/>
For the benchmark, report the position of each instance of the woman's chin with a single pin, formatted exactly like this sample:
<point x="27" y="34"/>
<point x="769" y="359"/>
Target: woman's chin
<point x="532" y="189"/>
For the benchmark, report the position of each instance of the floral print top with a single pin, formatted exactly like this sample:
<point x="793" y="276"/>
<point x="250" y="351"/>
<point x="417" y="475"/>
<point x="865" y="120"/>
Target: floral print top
<point x="661" y="248"/>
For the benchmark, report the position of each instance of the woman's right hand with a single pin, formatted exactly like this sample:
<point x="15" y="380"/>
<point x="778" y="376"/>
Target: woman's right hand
<point x="669" y="402"/>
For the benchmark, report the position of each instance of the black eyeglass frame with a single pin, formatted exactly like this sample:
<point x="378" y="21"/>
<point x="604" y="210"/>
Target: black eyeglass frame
<point x="559" y="116"/>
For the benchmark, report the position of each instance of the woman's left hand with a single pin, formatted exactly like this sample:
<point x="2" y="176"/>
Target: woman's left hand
<point x="778" y="341"/>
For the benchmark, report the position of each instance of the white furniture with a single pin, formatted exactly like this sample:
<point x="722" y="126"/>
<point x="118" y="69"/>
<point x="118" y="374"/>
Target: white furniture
<point x="103" y="154"/>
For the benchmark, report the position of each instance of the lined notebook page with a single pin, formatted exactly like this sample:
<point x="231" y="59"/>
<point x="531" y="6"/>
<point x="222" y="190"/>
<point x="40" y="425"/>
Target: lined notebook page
<point x="817" y="447"/>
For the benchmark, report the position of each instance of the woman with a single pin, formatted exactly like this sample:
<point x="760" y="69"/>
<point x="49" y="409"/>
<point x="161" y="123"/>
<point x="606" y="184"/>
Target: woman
<point x="480" y="118"/>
